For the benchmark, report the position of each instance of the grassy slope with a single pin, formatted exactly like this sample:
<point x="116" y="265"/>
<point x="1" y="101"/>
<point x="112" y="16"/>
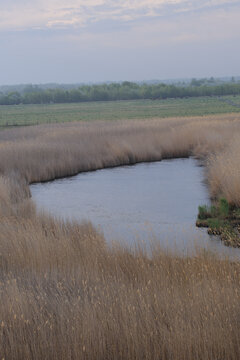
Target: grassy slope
<point x="140" y="109"/>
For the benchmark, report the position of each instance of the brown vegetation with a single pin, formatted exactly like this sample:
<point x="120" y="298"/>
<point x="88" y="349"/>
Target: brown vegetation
<point x="224" y="172"/>
<point x="46" y="152"/>
<point x="66" y="295"/>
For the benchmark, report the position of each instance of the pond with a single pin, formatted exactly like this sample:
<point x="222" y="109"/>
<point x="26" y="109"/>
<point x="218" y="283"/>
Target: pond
<point x="148" y="202"/>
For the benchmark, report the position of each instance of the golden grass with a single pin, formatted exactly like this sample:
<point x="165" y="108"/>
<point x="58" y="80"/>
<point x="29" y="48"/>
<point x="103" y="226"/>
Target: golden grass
<point x="46" y="152"/>
<point x="224" y="172"/>
<point x="66" y="295"/>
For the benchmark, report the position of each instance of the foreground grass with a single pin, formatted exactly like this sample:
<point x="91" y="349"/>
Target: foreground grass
<point x="66" y="295"/>
<point x="20" y="115"/>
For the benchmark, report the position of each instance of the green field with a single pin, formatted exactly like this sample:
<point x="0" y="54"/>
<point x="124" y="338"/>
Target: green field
<point x="19" y="115"/>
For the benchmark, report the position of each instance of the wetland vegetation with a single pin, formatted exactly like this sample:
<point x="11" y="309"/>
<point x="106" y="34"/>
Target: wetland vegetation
<point x="65" y="294"/>
<point x="221" y="219"/>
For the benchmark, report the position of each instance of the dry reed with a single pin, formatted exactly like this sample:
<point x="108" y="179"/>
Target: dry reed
<point x="46" y="152"/>
<point x="66" y="295"/>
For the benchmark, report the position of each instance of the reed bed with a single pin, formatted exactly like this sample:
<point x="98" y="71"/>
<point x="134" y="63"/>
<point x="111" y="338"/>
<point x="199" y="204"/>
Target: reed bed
<point x="66" y="295"/>
<point x="46" y="152"/>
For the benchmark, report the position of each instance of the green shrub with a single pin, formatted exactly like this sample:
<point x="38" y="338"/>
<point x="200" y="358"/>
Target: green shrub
<point x="216" y="224"/>
<point x="221" y="210"/>
<point x="203" y="212"/>
<point x="213" y="211"/>
<point x="223" y="207"/>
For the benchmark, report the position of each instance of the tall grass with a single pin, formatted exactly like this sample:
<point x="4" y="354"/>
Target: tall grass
<point x="46" y="152"/>
<point x="66" y="295"/>
<point x="224" y="172"/>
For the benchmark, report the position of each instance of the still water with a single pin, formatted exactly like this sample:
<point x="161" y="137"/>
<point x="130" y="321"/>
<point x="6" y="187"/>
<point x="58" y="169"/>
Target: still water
<point x="150" y="201"/>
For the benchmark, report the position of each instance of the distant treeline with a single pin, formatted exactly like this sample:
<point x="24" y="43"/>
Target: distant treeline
<point x="115" y="91"/>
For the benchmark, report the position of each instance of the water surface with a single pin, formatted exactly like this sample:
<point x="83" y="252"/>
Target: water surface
<point x="147" y="201"/>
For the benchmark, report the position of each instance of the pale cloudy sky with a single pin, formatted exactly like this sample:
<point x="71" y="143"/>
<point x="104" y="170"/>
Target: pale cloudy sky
<point x="100" y="40"/>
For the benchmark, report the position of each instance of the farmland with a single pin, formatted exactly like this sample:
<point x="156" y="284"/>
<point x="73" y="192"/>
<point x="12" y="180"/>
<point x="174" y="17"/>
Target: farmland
<point x="20" y="115"/>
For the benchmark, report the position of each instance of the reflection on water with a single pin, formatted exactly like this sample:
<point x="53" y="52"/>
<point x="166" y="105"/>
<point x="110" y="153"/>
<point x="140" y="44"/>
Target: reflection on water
<point x="147" y="201"/>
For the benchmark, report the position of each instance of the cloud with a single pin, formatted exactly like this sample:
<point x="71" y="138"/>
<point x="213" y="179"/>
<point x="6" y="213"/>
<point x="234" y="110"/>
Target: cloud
<point x="199" y="29"/>
<point x="100" y="40"/>
<point x="70" y="14"/>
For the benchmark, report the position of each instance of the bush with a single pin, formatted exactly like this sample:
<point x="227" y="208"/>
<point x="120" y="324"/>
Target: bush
<point x="213" y="211"/>
<point x="221" y="210"/>
<point x="216" y="224"/>
<point x="223" y="207"/>
<point x="203" y="212"/>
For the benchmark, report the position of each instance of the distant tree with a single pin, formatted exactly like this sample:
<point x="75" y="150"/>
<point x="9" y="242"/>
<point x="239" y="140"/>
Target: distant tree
<point x="118" y="91"/>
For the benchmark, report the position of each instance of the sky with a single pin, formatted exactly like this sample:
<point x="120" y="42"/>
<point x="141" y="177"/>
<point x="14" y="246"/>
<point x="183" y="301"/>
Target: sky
<point x="72" y="41"/>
